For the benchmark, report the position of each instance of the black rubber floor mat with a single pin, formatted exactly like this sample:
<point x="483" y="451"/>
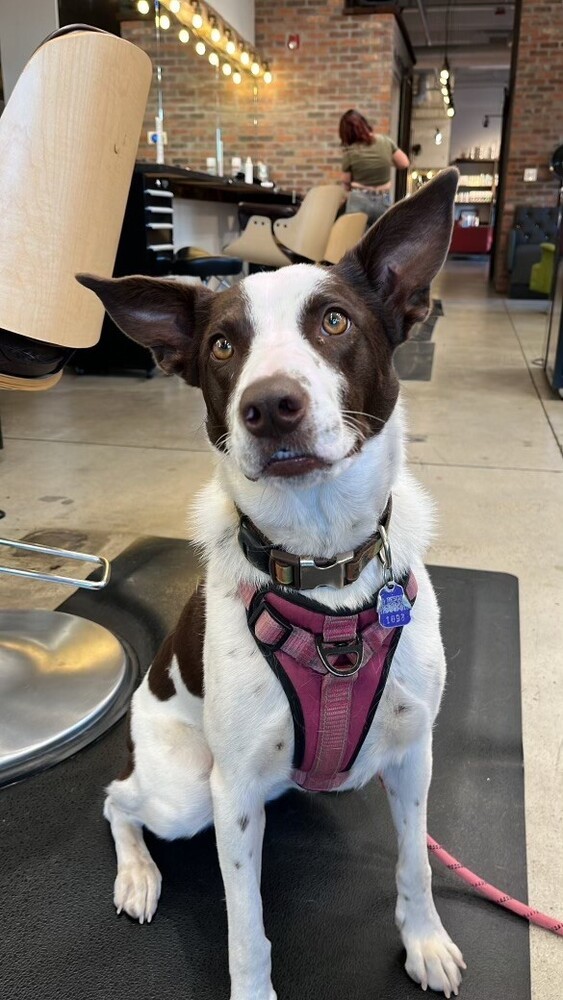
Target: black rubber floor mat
<point x="328" y="882"/>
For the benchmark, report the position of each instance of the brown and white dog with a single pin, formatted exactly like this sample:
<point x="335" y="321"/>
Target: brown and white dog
<point x="296" y="371"/>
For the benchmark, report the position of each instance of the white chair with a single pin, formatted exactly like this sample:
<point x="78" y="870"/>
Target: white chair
<point x="302" y="237"/>
<point x="345" y="233"/>
<point x="306" y="234"/>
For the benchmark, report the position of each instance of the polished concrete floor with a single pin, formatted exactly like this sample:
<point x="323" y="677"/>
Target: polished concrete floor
<point x="97" y="462"/>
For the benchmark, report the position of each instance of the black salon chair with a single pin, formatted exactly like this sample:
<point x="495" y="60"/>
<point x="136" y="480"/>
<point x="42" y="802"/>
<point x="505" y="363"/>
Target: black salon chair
<point x="194" y="262"/>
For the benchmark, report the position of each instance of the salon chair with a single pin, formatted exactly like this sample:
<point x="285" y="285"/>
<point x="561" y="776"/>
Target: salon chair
<point x="344" y="234"/>
<point x="194" y="262"/>
<point x="69" y="137"/>
<point x="303" y="237"/>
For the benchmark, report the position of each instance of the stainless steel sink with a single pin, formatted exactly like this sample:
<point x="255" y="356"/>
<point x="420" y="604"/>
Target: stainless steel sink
<point x="63" y="681"/>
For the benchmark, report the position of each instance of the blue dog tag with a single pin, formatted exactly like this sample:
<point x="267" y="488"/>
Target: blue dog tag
<point x="393" y="607"/>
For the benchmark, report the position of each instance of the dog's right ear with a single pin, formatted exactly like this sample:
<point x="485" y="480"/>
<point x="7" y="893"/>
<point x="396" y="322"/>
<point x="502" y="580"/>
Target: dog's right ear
<point x="394" y="263"/>
<point x="165" y="316"/>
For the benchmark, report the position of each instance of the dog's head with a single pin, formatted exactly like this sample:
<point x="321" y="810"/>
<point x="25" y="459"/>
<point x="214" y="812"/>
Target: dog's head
<point x="296" y="365"/>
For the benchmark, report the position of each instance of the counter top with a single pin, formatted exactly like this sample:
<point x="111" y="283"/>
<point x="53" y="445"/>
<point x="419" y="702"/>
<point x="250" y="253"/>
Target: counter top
<point x="199" y="186"/>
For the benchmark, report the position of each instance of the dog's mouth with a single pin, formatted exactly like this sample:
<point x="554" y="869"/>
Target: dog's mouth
<point x="285" y="462"/>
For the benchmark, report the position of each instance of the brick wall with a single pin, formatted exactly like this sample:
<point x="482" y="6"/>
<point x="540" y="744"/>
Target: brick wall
<point x="292" y="125"/>
<point x="342" y="62"/>
<point x="536" y="125"/>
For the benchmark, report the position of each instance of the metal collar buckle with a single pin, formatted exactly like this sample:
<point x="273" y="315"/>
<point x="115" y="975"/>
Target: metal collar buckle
<point x="306" y="574"/>
<point x="354" y="648"/>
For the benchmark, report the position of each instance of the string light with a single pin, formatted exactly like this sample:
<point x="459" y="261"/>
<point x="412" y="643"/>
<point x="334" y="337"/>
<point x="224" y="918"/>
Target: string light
<point x="197" y="20"/>
<point x="212" y="37"/>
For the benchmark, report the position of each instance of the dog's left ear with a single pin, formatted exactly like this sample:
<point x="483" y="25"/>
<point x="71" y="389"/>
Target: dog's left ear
<point x="165" y="316"/>
<point x="399" y="256"/>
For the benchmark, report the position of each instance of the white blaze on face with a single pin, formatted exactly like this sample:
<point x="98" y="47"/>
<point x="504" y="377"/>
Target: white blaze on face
<point x="276" y="302"/>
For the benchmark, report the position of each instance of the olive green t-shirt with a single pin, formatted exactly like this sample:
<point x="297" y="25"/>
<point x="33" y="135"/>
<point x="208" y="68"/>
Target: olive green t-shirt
<point x="369" y="165"/>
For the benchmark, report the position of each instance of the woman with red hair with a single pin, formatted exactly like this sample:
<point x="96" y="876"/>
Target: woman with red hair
<point x="367" y="159"/>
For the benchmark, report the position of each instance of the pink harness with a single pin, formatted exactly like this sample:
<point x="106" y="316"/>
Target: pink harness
<point x="333" y="668"/>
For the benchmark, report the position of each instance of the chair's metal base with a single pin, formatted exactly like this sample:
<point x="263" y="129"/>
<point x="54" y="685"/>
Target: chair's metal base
<point x="63" y="681"/>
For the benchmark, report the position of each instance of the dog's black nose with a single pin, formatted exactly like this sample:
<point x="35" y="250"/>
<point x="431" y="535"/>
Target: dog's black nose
<point x="273" y="406"/>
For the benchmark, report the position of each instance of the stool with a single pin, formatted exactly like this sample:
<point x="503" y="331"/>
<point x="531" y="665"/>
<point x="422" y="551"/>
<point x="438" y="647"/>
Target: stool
<point x="197" y="263"/>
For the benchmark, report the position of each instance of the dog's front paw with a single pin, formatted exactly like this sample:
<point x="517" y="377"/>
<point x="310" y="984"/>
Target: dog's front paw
<point x="137" y="890"/>
<point x="434" y="961"/>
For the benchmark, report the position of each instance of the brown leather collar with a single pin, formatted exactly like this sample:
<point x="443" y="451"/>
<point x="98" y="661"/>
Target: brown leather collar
<point x="304" y="572"/>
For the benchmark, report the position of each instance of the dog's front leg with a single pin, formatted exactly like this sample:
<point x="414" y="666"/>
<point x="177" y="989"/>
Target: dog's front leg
<point x="432" y="957"/>
<point x="239" y="825"/>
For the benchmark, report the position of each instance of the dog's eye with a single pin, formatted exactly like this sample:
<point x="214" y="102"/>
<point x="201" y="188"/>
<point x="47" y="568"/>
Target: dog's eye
<point x="222" y="349"/>
<point x="335" y="322"/>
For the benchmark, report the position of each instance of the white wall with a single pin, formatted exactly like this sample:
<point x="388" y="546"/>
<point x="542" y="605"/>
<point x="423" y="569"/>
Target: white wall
<point x="22" y="27"/>
<point x="471" y="105"/>
<point x="239" y="13"/>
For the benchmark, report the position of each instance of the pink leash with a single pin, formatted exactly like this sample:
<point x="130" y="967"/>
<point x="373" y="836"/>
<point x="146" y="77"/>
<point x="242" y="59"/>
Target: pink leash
<point x="495" y="895"/>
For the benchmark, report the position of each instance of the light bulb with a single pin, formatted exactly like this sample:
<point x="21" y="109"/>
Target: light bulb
<point x="227" y="69"/>
<point x="184" y="36"/>
<point x="446" y="98"/>
<point x="197" y="21"/>
<point x="267" y="76"/>
<point x="200" y="49"/>
<point x="164" y="22"/>
<point x="175" y="6"/>
<point x="450" y="112"/>
<point x="143" y="6"/>
<point x="237" y="78"/>
<point x="255" y="68"/>
<point x="231" y="47"/>
<point x="244" y="57"/>
<point x="215" y="35"/>
<point x="213" y="58"/>
<point x="444" y="91"/>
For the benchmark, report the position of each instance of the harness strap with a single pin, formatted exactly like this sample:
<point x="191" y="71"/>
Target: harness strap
<point x="318" y="656"/>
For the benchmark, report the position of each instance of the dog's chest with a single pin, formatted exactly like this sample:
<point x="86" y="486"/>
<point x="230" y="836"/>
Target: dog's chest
<point x="251" y="715"/>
